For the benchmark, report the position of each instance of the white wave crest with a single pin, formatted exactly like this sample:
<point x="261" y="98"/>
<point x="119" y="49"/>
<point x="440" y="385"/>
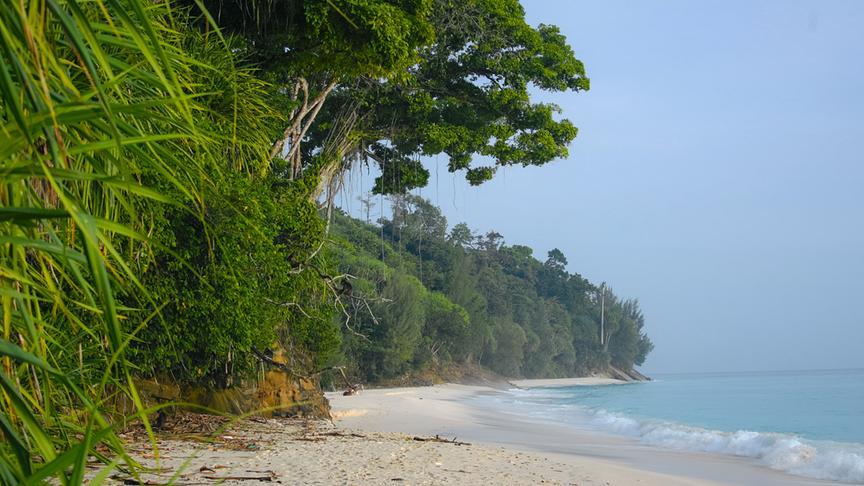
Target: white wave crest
<point x="816" y="459"/>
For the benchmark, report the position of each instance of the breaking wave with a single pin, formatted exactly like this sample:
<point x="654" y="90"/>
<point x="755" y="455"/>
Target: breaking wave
<point x="835" y="461"/>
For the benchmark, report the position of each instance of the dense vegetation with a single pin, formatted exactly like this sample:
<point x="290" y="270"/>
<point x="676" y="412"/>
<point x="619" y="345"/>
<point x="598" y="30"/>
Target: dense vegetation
<point x="166" y="184"/>
<point x="440" y="297"/>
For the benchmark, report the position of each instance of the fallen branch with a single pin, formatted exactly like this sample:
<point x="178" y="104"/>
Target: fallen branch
<point x="270" y="477"/>
<point x="309" y="439"/>
<point x="336" y="433"/>
<point x="150" y="482"/>
<point x="439" y="439"/>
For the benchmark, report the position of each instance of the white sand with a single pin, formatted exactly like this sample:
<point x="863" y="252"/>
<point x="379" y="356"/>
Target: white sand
<point x="290" y="457"/>
<point x="561" y="455"/>
<point x="371" y="442"/>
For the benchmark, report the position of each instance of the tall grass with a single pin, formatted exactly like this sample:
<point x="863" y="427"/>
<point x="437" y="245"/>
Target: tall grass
<point x="99" y="109"/>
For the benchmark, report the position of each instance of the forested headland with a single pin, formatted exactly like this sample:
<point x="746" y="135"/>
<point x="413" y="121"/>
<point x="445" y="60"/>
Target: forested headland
<point x="166" y="207"/>
<point x="424" y="297"/>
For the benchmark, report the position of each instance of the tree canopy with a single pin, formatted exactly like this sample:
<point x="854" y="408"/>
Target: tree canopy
<point x="340" y="39"/>
<point x="468" y="97"/>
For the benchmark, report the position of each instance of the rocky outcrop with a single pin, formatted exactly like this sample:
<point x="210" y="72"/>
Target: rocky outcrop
<point x="637" y="376"/>
<point x="629" y="375"/>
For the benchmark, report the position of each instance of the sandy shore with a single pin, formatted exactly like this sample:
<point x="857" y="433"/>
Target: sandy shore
<point x="319" y="453"/>
<point x="576" y="456"/>
<point x="373" y="440"/>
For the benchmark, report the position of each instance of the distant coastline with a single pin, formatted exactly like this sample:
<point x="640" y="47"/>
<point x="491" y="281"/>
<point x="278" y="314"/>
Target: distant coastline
<point x="612" y="376"/>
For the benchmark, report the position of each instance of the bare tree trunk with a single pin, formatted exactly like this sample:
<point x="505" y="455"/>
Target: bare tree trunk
<point x="302" y="119"/>
<point x="338" y="152"/>
<point x="602" y="314"/>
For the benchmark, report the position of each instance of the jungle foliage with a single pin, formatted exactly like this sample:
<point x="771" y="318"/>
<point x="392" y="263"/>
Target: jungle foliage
<point x="456" y="297"/>
<point x="162" y="213"/>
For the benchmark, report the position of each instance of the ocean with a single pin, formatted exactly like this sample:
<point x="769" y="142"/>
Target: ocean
<point x="806" y="423"/>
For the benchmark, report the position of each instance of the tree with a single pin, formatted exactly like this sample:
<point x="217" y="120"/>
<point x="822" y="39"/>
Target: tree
<point x="308" y="48"/>
<point x="419" y="218"/>
<point x="556" y="261"/>
<point x="446" y="326"/>
<point x="491" y="243"/>
<point x="468" y="95"/>
<point x="462" y="289"/>
<point x="461" y="236"/>
<point x="627" y="343"/>
<point x="508" y="352"/>
<point x="367" y="203"/>
<point x="339" y="40"/>
<point x="390" y="342"/>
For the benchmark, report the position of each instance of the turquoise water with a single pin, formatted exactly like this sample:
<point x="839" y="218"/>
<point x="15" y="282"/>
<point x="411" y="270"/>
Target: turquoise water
<point x="809" y="423"/>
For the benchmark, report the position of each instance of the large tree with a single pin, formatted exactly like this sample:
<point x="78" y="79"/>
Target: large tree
<point x="468" y="96"/>
<point x="306" y="48"/>
<point x="402" y="79"/>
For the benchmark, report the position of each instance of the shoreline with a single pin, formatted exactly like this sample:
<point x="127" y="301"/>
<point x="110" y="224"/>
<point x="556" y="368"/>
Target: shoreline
<point x="433" y="435"/>
<point x="453" y="411"/>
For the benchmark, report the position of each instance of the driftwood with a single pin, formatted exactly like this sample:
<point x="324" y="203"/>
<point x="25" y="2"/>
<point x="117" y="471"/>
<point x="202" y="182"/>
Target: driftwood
<point x="150" y="482"/>
<point x="268" y="476"/>
<point x="440" y="439"/>
<point x="241" y="478"/>
<point x="336" y="433"/>
<point x="319" y="437"/>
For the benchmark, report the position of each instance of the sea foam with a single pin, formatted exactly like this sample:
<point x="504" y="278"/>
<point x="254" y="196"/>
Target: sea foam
<point x="815" y="459"/>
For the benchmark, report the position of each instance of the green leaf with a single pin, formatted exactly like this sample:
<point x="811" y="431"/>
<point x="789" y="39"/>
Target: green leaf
<point x="24" y="214"/>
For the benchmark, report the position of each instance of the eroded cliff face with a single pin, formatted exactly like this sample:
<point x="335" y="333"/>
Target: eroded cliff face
<point x="275" y="392"/>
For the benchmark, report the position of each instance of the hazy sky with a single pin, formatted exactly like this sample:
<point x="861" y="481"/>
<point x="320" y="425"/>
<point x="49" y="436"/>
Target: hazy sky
<point x="717" y="177"/>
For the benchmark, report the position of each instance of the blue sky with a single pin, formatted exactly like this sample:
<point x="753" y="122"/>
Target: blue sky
<point x="717" y="177"/>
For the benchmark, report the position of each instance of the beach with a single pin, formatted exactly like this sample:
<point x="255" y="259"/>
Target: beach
<point x="436" y="435"/>
<point x="590" y="456"/>
<point x="319" y="453"/>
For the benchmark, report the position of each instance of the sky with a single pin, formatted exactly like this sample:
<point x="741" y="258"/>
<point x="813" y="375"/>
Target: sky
<point x="717" y="177"/>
